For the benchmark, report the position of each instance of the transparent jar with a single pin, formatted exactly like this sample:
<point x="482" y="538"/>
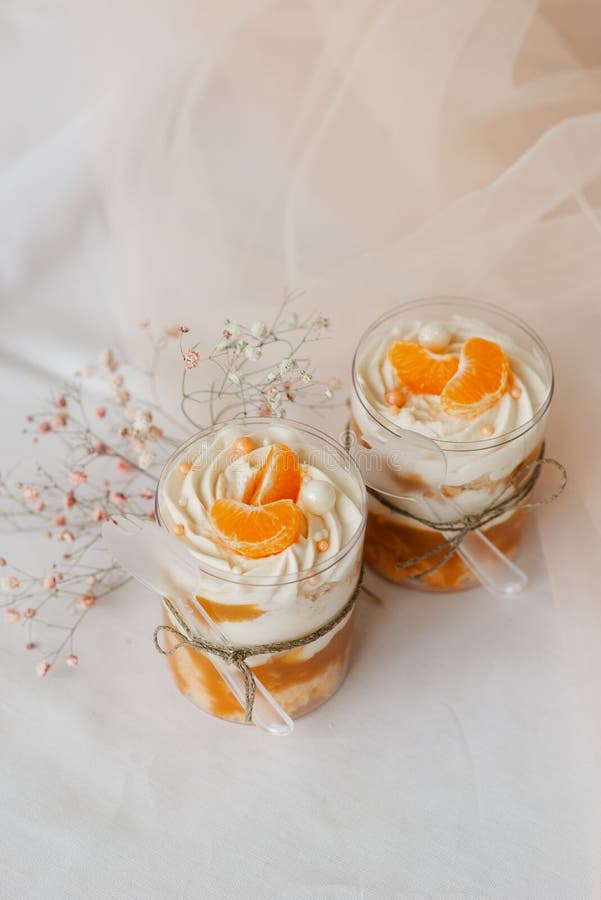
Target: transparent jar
<point x="276" y="600"/>
<point x="473" y="473"/>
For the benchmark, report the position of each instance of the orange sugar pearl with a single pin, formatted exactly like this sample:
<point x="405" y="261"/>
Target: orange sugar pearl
<point x="487" y="431"/>
<point x="395" y="398"/>
<point x="516" y="392"/>
<point x="184" y="467"/>
<point x="323" y="545"/>
<point x="178" y="530"/>
<point x="242" y="446"/>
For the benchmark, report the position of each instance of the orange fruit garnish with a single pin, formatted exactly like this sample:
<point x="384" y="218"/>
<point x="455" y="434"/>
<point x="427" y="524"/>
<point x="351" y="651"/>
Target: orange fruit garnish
<point x="279" y="478"/>
<point x="480" y="382"/>
<point x="257" y="531"/>
<point x="419" y="370"/>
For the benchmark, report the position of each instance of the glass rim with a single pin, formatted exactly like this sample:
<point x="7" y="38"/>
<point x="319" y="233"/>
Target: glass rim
<point x="245" y="578"/>
<point x="456" y="446"/>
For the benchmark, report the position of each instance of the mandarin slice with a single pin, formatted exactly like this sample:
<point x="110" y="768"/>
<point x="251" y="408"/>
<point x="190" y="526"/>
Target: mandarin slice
<point x="279" y="478"/>
<point x="419" y="370"/>
<point x="480" y="382"/>
<point x="257" y="531"/>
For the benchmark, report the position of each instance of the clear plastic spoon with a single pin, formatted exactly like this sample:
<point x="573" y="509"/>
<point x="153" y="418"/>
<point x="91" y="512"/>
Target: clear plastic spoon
<point x="157" y="560"/>
<point x="386" y="460"/>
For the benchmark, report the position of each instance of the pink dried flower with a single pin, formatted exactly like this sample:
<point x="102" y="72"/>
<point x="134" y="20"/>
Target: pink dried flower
<point x="41" y="506"/>
<point x="184" y="329"/>
<point x="86" y="600"/>
<point x="78" y="477"/>
<point x="144" y="323"/>
<point x="264" y="410"/>
<point x="100" y="412"/>
<point x="10" y="583"/>
<point x="123" y="466"/>
<point x="108" y="360"/>
<point x="123" y="431"/>
<point x="59" y="520"/>
<point x="60" y="422"/>
<point x="30" y="645"/>
<point x="62" y="402"/>
<point x="44" y="426"/>
<point x="172" y="331"/>
<point x="69" y="500"/>
<point x="191" y="359"/>
<point x="118" y="497"/>
<point x="101" y="448"/>
<point x="98" y="515"/>
<point x="42" y="668"/>
<point x="123" y="396"/>
<point x="11" y="616"/>
<point x="2" y="562"/>
<point x="72" y="660"/>
<point x="49" y="582"/>
<point x="30" y="493"/>
<point x="29" y="612"/>
<point x="29" y="418"/>
<point x="66" y="536"/>
<point x="19" y="485"/>
<point x="146" y="494"/>
<point x="155" y="433"/>
<point x="334" y="383"/>
<point x="117" y="380"/>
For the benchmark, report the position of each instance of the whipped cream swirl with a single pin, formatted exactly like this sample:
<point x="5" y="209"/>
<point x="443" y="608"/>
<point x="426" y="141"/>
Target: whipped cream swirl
<point x="474" y="453"/>
<point x="423" y="413"/>
<point x="186" y="498"/>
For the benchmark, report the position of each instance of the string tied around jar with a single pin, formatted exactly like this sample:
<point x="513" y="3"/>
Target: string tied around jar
<point x="509" y="500"/>
<point x="238" y="655"/>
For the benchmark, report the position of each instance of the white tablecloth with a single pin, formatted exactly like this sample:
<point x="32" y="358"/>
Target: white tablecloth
<point x="457" y="761"/>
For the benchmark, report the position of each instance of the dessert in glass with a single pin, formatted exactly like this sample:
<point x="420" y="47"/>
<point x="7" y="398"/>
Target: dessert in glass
<point x="473" y="384"/>
<point x="273" y="516"/>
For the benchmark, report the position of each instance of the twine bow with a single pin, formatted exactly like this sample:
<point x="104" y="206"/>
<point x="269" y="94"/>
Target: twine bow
<point x="237" y="656"/>
<point x="510" y="499"/>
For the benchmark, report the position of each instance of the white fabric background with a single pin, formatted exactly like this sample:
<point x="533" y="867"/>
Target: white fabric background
<point x="365" y="153"/>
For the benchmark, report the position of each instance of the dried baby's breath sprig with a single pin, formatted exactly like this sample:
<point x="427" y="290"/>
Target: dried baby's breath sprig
<point x="101" y="459"/>
<point x="255" y="370"/>
<point x="105" y="438"/>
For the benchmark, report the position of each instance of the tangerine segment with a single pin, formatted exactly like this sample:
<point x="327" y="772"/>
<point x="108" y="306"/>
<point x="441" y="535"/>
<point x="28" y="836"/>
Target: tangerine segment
<point x="421" y="371"/>
<point x="480" y="382"/>
<point x="257" y="531"/>
<point x="279" y="478"/>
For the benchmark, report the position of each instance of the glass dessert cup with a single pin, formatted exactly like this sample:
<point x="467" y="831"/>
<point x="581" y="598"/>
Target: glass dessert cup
<point x="274" y="599"/>
<point x="473" y="474"/>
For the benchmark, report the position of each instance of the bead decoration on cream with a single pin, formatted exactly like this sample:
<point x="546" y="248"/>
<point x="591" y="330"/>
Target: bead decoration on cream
<point x="317" y="497"/>
<point x="434" y="336"/>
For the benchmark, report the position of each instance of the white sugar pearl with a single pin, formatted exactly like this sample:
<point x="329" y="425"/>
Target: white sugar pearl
<point x="434" y="336"/>
<point x="183" y="501"/>
<point x="317" y="497"/>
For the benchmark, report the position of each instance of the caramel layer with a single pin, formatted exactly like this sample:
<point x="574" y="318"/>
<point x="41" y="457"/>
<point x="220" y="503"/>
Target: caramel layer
<point x="389" y="541"/>
<point x="298" y="684"/>
<point x="228" y="612"/>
